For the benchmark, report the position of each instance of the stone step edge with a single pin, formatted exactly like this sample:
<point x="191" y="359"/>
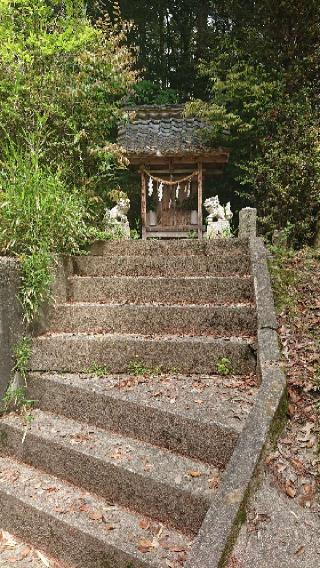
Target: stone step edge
<point x="237" y="340"/>
<point x="175" y="431"/>
<point x="198" y="355"/>
<point x="167" y="245"/>
<point x="140" y="305"/>
<point x="172" y="496"/>
<point x="150" y="320"/>
<point x="75" y="535"/>
<point x="202" y="277"/>
<point x="155" y="266"/>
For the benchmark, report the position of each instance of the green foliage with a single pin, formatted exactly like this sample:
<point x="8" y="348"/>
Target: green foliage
<point x="139" y="368"/>
<point x="22" y="352"/>
<point x="38" y="211"/>
<point x="36" y="282"/>
<point x="66" y="78"/>
<point x="16" y="399"/>
<point x="170" y="38"/>
<point x="284" y="278"/>
<point x="224" y="366"/>
<point x="134" y="235"/>
<point x="98" y="370"/>
<point x="62" y="81"/>
<point x="39" y="216"/>
<point x="285" y="173"/>
<point x="273" y="136"/>
<point x="149" y="93"/>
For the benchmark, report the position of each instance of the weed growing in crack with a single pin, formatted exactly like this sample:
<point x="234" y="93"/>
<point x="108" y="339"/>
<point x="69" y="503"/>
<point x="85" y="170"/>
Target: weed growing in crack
<point x="224" y="366"/>
<point x="138" y="368"/>
<point x="97" y="370"/>
<point x="15" y="400"/>
<point x="22" y="353"/>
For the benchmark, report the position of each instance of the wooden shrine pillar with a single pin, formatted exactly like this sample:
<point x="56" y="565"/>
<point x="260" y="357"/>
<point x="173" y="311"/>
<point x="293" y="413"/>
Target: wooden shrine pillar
<point x="200" y="200"/>
<point x="143" y="204"/>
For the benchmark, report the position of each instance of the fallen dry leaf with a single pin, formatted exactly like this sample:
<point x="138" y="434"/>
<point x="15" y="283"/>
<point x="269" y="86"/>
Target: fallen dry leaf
<point x="290" y="491"/>
<point x="300" y="550"/>
<point x="110" y="527"/>
<point x="194" y="473"/>
<point x="144" y="524"/>
<point x="145" y="545"/>
<point x="176" y="548"/>
<point x="95" y="515"/>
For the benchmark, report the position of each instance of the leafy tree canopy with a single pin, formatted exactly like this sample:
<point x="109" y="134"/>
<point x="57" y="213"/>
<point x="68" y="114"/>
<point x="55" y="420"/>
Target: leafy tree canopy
<point x="63" y="79"/>
<point x="252" y="68"/>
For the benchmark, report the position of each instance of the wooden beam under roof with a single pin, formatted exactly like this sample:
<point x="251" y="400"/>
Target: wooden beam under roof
<point x="216" y="158"/>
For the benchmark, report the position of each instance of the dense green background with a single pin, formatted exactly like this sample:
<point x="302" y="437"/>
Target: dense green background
<point x="256" y="65"/>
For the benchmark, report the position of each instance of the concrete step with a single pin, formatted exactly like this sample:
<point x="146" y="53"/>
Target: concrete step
<point x="80" y="529"/>
<point x="13" y="550"/>
<point x="169" y="247"/>
<point x="196" y="416"/>
<point x="233" y="263"/>
<point x="174" y="489"/>
<point x="75" y="353"/>
<point x="139" y="289"/>
<point x="239" y="320"/>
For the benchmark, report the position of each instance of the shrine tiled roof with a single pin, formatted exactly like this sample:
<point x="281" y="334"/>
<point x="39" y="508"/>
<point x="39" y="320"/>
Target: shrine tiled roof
<point x="162" y="131"/>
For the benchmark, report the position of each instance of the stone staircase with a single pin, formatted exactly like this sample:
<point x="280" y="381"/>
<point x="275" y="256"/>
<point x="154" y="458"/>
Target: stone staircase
<point x="135" y="421"/>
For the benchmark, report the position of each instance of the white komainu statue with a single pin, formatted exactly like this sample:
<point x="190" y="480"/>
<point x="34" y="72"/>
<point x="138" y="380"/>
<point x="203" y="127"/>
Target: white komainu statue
<point x="218" y="221"/>
<point x="116" y="219"/>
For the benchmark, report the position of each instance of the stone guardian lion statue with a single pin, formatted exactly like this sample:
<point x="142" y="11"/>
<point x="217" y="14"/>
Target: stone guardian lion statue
<point x="218" y="220"/>
<point x="116" y="220"/>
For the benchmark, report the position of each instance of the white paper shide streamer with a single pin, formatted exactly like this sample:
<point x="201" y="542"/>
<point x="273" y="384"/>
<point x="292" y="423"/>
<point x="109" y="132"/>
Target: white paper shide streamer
<point x="150" y="187"/>
<point x="160" y="191"/>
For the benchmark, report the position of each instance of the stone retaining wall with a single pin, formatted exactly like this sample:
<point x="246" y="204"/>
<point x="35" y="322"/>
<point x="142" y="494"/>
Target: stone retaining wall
<point x="222" y="523"/>
<point x="11" y="326"/>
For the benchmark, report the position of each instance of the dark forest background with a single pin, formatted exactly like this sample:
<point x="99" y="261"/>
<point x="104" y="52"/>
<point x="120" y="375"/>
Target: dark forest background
<point x="173" y="37"/>
<point x="251" y="67"/>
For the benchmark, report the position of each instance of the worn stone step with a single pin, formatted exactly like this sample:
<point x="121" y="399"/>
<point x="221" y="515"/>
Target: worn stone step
<point x="139" y="289"/>
<point x="161" y="265"/>
<point x="239" y="320"/>
<point x="196" y="416"/>
<point x="75" y="353"/>
<point x="173" y="247"/>
<point x="79" y="528"/>
<point x="14" y="550"/>
<point x="174" y="489"/>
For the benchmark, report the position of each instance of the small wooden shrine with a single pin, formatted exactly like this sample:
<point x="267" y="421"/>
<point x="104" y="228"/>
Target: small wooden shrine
<point x="173" y="159"/>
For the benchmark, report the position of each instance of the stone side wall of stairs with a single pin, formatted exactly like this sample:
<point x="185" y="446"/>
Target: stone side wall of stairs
<point x="127" y="470"/>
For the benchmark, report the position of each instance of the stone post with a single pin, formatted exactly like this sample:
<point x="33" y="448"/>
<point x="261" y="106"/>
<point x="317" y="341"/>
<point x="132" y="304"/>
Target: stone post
<point x="247" y="223"/>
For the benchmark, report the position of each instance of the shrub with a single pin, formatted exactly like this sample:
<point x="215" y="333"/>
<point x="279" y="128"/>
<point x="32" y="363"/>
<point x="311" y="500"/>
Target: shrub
<point x="38" y="211"/>
<point x="62" y="81"/>
<point x="273" y="136"/>
<point x="65" y="77"/>
<point x="39" y="216"/>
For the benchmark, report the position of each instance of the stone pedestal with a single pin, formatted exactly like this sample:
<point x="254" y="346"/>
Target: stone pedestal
<point x="218" y="229"/>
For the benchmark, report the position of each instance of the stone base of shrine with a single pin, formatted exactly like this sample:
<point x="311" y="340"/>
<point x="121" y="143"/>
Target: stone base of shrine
<point x="190" y="231"/>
